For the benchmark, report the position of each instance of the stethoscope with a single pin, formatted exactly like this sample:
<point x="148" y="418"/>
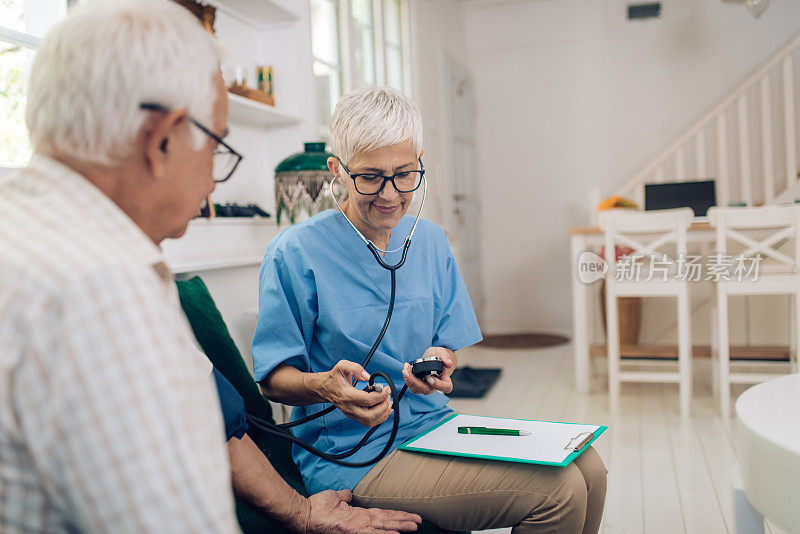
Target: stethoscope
<point x="370" y="245"/>
<point x="281" y="431"/>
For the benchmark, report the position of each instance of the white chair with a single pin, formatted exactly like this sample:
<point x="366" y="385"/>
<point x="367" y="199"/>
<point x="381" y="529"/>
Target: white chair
<point x="767" y="270"/>
<point x="664" y="230"/>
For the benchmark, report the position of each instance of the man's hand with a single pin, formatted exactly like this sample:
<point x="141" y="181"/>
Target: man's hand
<point x="330" y="514"/>
<point x="431" y="384"/>
<point x="369" y="409"/>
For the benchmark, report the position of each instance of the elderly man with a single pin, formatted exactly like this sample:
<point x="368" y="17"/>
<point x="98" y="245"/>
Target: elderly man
<point x="109" y="420"/>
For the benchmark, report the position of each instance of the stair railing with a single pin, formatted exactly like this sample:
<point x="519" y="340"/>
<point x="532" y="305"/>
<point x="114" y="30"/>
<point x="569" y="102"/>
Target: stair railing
<point x="673" y="158"/>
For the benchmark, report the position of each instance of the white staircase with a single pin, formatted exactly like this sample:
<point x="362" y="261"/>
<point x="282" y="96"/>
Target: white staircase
<point x="747" y="142"/>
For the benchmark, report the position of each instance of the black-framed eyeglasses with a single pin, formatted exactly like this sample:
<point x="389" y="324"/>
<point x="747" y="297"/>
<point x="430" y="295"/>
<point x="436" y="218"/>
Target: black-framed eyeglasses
<point x="226" y="158"/>
<point x="371" y="184"/>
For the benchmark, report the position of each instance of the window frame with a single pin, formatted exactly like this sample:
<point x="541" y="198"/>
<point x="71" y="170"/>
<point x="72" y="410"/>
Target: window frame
<point x="20" y="39"/>
<point x="347" y="36"/>
<point x="31" y="42"/>
<point x="353" y="25"/>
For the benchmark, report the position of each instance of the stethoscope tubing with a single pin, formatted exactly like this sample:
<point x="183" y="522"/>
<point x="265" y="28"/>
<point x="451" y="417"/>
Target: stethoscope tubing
<point x="271" y="429"/>
<point x="281" y="431"/>
<point x="375" y="344"/>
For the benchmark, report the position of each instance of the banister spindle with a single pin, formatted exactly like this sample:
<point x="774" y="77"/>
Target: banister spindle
<point x="680" y="165"/>
<point x="788" y="121"/>
<point x="744" y="149"/>
<point x="722" y="159"/>
<point x="700" y="154"/>
<point x="768" y="178"/>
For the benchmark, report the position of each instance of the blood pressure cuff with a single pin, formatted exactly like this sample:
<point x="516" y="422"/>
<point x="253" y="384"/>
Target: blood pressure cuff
<point x="232" y="406"/>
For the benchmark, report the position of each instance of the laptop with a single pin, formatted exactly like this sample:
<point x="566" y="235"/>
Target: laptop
<point x="698" y="195"/>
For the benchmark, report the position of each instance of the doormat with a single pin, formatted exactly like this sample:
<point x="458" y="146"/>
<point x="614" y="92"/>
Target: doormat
<point x="524" y="340"/>
<point x="472" y="383"/>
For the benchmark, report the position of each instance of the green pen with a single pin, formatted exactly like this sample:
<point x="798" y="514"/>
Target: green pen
<point x="492" y="431"/>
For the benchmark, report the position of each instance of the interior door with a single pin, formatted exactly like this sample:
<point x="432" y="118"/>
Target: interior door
<point x="462" y="204"/>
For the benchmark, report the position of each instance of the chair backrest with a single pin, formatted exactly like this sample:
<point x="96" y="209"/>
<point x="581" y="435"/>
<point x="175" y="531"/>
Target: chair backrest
<point x="214" y="338"/>
<point x="662" y="229"/>
<point x="776" y="225"/>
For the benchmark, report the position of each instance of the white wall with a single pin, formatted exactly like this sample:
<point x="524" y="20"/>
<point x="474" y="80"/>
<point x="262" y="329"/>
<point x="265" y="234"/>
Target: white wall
<point x="573" y="96"/>
<point x="437" y="27"/>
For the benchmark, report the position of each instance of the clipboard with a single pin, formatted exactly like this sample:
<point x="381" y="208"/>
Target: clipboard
<point x="550" y="443"/>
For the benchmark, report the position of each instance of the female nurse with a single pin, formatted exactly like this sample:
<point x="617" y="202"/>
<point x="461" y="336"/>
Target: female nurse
<point x="322" y="302"/>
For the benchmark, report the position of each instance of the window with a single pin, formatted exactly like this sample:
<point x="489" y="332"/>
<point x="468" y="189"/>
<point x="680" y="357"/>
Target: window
<point x="325" y="49"/>
<point x="15" y="151"/>
<point x="357" y="43"/>
<point x="393" y="43"/>
<point x="23" y="23"/>
<point x="363" y="43"/>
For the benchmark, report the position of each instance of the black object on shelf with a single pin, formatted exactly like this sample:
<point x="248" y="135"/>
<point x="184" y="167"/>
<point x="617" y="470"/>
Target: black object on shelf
<point x="205" y="210"/>
<point x="469" y="382"/>
<point x="232" y="209"/>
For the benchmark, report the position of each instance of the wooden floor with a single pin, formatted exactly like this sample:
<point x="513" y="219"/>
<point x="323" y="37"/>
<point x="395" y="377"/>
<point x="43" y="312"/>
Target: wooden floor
<point x="666" y="474"/>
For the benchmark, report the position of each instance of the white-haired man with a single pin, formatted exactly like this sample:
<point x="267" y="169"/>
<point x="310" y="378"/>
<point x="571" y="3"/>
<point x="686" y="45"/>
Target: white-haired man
<point x="109" y="421"/>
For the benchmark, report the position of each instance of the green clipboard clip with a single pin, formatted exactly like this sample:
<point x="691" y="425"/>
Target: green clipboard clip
<point x="579" y="441"/>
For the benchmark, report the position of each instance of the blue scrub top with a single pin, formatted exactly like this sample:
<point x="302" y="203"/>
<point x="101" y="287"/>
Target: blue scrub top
<point x="323" y="298"/>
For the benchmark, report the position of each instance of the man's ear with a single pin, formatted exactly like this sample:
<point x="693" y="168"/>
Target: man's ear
<point x="159" y="140"/>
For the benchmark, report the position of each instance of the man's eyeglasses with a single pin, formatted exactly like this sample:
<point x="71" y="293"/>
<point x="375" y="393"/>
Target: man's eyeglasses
<point x="226" y="158"/>
<point x="372" y="184"/>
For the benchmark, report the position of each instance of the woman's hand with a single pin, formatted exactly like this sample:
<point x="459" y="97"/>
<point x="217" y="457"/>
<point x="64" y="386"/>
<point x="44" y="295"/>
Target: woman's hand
<point x="431" y="384"/>
<point x="368" y="408"/>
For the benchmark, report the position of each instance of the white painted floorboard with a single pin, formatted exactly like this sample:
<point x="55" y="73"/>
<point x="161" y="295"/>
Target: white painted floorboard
<point x="667" y="475"/>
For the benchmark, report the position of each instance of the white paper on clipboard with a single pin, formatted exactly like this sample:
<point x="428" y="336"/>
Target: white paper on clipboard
<point x="547" y="443"/>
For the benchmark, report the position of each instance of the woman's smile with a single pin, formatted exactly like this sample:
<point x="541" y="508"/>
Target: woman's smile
<point x="386" y="210"/>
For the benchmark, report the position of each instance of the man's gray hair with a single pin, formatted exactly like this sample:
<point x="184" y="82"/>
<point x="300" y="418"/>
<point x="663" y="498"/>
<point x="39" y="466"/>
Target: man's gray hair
<point x="370" y="118"/>
<point x="95" y="67"/>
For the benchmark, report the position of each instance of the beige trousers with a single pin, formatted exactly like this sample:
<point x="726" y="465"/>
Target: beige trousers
<point x="471" y="494"/>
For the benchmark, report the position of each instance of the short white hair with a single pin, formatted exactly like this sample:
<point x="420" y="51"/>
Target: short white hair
<point x="370" y="118"/>
<point x="95" y="67"/>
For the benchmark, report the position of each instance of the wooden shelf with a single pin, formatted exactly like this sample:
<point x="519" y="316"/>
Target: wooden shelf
<point x="233" y="221"/>
<point x="242" y="110"/>
<point x="258" y="12"/>
<point x="187" y="265"/>
<point x="220" y="243"/>
<point x="664" y="352"/>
